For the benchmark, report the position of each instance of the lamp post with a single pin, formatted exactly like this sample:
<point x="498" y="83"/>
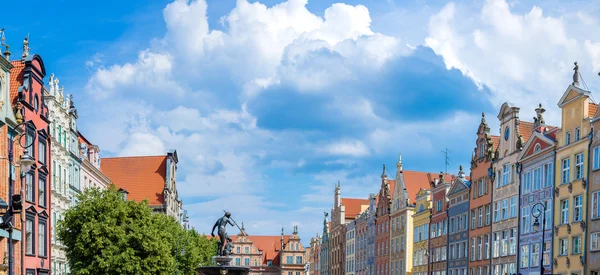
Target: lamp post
<point x="15" y="203"/>
<point x="536" y="226"/>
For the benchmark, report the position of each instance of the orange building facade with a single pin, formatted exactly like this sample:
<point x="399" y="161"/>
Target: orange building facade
<point x="480" y="202"/>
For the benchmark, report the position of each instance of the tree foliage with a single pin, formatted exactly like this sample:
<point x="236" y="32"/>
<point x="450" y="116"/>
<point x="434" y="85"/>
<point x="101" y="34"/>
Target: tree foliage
<point x="104" y="234"/>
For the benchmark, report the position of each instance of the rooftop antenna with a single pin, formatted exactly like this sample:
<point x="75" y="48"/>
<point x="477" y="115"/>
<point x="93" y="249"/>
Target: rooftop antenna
<point x="446" y="159"/>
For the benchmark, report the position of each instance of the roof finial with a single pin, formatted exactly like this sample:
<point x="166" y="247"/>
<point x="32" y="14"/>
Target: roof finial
<point x="25" y="47"/>
<point x="576" y="74"/>
<point x="282" y="231"/>
<point x="243" y="226"/>
<point x="460" y="168"/>
<point x="399" y="163"/>
<point x="384" y="174"/>
<point x="3" y="43"/>
<point x="539" y="120"/>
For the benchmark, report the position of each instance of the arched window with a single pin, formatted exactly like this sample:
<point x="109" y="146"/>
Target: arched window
<point x="36" y="103"/>
<point x="537" y="148"/>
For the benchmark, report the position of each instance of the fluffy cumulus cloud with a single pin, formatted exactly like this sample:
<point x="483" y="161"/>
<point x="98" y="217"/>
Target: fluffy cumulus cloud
<point x="274" y="107"/>
<point x="524" y="55"/>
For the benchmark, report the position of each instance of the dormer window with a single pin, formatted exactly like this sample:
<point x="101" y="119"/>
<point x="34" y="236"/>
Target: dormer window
<point x="568" y="138"/>
<point x="537" y="148"/>
<point x="577" y="134"/>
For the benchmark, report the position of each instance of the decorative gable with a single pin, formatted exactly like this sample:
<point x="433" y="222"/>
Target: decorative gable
<point x="538" y="142"/>
<point x="572" y="93"/>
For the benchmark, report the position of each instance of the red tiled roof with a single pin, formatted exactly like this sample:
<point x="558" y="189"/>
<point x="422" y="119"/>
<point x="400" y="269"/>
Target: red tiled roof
<point x="16" y="78"/>
<point x="496" y="142"/>
<point x="353" y="206"/>
<point x="143" y="177"/>
<point x="416" y="181"/>
<point x="269" y="245"/>
<point x="593" y="107"/>
<point x="392" y="184"/>
<point x="526" y="130"/>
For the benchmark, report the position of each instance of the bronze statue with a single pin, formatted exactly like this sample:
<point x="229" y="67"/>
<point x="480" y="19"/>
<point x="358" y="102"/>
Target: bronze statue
<point x="223" y="237"/>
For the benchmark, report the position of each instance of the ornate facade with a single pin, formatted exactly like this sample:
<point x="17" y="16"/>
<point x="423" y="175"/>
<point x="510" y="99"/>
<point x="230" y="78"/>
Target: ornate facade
<point x="439" y="226"/>
<point x="421" y="220"/>
<point x="505" y="196"/>
<point x="9" y="143"/>
<point x="536" y="162"/>
<point x="91" y="176"/>
<point x="458" y="228"/>
<point x="27" y="85"/>
<point x="571" y="180"/>
<point x="481" y="197"/>
<point x="382" y="223"/>
<point x="365" y="239"/>
<point x="60" y="124"/>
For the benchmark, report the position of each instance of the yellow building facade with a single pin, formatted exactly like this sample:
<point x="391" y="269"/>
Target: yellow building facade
<point x="421" y="220"/>
<point x="571" y="172"/>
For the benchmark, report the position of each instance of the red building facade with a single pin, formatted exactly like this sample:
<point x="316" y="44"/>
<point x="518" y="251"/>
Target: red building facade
<point x="27" y="97"/>
<point x="439" y="227"/>
<point x="382" y="224"/>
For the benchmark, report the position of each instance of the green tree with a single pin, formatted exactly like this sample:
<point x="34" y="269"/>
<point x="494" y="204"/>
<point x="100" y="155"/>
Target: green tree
<point x="104" y="234"/>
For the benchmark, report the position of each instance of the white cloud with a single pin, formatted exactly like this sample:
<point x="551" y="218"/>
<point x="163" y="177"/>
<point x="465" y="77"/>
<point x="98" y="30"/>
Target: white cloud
<point x="526" y="56"/>
<point x="347" y="148"/>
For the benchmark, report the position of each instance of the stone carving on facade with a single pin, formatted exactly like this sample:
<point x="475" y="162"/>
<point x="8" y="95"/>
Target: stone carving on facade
<point x="576" y="74"/>
<point x="25" y="47"/>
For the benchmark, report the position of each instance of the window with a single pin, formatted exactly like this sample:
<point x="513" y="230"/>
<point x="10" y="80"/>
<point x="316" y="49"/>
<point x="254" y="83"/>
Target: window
<point x="577" y="213"/>
<point x="480" y="216"/>
<point x="526" y="182"/>
<point x="579" y="166"/>
<point x="472" y="249"/>
<point x="496" y="245"/>
<point x="42" y="238"/>
<point x="238" y="261"/>
<point x="547" y="247"/>
<point x="506" y="174"/>
<point x="596" y="157"/>
<point x="42" y="190"/>
<point x="513" y="241"/>
<point x="486" y="248"/>
<point x="29" y="189"/>
<point x="563" y="246"/>
<point x="496" y="212"/>
<point x="439" y="205"/>
<point x="479" y="246"/>
<point x="535" y="254"/>
<point x="504" y="209"/>
<point x="564" y="211"/>
<point x="30" y="272"/>
<point x="473" y="219"/>
<point x="537" y="178"/>
<point x="247" y="261"/>
<point x="577" y="134"/>
<point x="595" y="241"/>
<point x="42" y="151"/>
<point x="549" y="214"/>
<point x="596" y="205"/>
<point x="298" y="259"/>
<point x="29" y="240"/>
<point x="568" y="138"/>
<point x="576" y="245"/>
<point x="566" y="170"/>
<point x="30" y="139"/>
<point x="513" y="207"/>
<point x="525" y="220"/>
<point x="525" y="256"/>
<point x="487" y="215"/>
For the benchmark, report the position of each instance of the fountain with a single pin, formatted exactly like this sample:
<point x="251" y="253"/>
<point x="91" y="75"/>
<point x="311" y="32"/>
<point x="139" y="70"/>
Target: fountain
<point x="222" y="261"/>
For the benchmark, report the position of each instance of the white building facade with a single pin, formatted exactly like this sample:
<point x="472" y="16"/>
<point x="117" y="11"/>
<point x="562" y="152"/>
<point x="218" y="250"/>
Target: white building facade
<point x="58" y="107"/>
<point x="91" y="176"/>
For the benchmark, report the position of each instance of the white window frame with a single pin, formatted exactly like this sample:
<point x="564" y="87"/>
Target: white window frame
<point x="566" y="171"/>
<point x="579" y="166"/>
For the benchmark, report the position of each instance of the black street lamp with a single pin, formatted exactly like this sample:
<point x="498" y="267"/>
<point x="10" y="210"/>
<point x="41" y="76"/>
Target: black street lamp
<point x="536" y="226"/>
<point x="15" y="204"/>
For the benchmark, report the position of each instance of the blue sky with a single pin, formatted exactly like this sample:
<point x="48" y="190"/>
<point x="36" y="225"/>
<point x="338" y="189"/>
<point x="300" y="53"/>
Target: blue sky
<point x="270" y="103"/>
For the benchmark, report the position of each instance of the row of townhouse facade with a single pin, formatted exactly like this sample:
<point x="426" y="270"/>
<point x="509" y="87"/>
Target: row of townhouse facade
<point x="39" y="120"/>
<point x="529" y="205"/>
